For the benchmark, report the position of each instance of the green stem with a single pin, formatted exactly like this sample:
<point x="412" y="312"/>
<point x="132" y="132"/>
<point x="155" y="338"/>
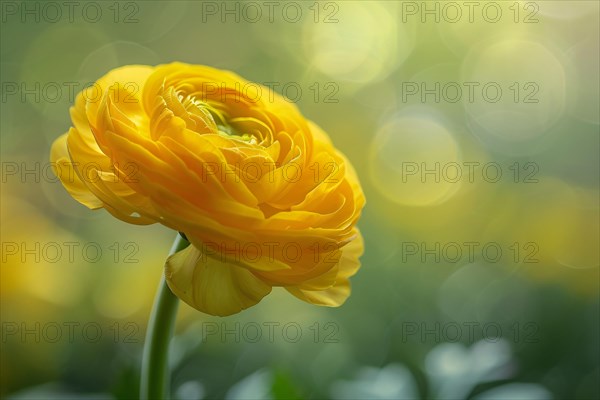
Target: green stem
<point x="154" y="383"/>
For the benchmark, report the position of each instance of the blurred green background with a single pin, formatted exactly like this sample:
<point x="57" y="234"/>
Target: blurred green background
<point x="414" y="93"/>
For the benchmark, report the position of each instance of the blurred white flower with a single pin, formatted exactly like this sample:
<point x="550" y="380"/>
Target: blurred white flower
<point x="190" y="390"/>
<point x="453" y="371"/>
<point x="389" y="383"/>
<point x="516" y="391"/>
<point x="256" y="386"/>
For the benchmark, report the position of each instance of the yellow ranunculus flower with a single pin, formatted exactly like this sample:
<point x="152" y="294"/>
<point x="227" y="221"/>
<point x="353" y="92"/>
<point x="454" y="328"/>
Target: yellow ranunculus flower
<point x="259" y="191"/>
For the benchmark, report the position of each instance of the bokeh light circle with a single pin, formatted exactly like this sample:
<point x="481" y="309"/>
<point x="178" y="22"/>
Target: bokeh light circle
<point x="403" y="150"/>
<point x="364" y="46"/>
<point x="565" y="10"/>
<point x="584" y="80"/>
<point x="50" y="67"/>
<point x="519" y="91"/>
<point x="114" y="55"/>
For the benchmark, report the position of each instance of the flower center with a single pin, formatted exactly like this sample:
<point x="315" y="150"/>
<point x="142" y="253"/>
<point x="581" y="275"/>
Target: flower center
<point x="218" y="118"/>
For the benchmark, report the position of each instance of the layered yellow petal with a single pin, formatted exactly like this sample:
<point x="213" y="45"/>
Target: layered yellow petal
<point x="212" y="286"/>
<point x="338" y="292"/>
<point x="65" y="171"/>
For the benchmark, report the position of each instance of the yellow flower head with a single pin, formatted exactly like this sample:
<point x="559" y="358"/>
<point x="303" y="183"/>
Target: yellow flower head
<point x="259" y="191"/>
